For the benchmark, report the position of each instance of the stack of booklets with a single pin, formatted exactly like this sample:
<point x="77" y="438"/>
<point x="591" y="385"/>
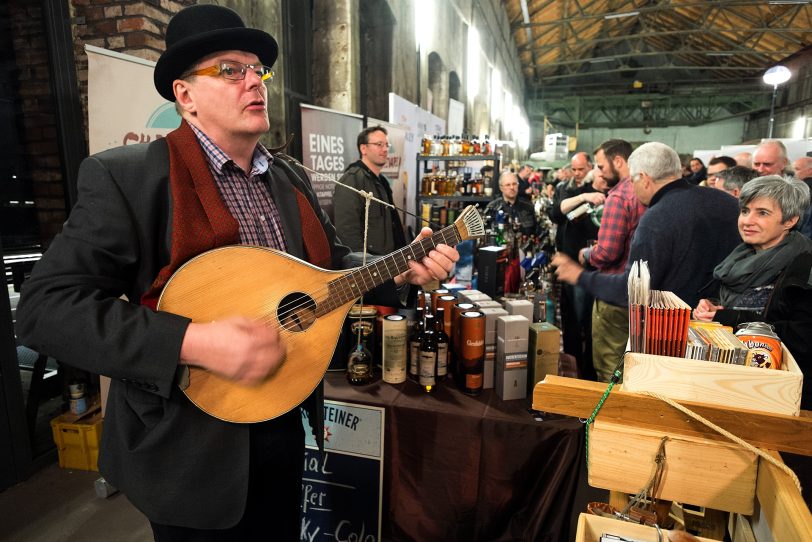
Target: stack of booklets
<point x="712" y="341"/>
<point x="658" y="320"/>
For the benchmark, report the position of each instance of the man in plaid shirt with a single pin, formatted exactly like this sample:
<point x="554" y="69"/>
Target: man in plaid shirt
<point x="621" y="213"/>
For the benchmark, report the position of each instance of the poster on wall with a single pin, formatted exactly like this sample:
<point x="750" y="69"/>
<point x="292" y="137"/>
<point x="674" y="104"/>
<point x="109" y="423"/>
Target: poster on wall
<point x="328" y="147"/>
<point x="342" y="487"/>
<point x="115" y="79"/>
<point x="417" y="122"/>
<point x="394" y="169"/>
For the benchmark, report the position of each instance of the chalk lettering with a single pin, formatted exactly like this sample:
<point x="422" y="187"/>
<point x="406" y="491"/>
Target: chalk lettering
<point x="312" y="464"/>
<point x="311" y="497"/>
<point x="304" y="532"/>
<point x="346" y="526"/>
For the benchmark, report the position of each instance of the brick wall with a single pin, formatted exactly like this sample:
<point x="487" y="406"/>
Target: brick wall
<point x="38" y="133"/>
<point x="133" y="27"/>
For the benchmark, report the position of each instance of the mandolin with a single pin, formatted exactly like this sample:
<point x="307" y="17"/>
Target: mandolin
<point x="307" y="303"/>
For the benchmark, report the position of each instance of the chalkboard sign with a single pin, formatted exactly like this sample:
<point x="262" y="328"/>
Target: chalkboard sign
<point x="341" y="489"/>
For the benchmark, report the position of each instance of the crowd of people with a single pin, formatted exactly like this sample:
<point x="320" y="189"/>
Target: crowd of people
<point x="730" y="237"/>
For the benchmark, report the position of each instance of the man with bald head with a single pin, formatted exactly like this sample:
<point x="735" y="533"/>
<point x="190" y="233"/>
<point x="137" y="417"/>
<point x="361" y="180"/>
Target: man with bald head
<point x="803" y="171"/>
<point x="515" y="209"/>
<point x="576" y="231"/>
<point x="770" y="158"/>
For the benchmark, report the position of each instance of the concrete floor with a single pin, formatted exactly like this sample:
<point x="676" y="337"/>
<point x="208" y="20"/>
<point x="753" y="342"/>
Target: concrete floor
<point x="60" y="505"/>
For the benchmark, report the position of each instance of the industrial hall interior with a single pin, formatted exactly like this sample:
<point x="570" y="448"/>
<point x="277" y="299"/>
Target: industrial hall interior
<point x="406" y="270"/>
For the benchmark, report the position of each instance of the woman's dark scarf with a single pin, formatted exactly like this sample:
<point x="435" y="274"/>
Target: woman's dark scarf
<point x="746" y="268"/>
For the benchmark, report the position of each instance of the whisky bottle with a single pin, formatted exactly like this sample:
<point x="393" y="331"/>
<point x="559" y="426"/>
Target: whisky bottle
<point x="442" y="343"/>
<point x="428" y="356"/>
<point x="414" y="343"/>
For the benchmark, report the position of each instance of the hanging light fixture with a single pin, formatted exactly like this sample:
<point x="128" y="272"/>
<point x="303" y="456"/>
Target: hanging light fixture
<point x="777" y="75"/>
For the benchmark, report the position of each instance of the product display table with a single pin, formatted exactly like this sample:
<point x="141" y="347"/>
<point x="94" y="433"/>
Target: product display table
<point x="470" y="468"/>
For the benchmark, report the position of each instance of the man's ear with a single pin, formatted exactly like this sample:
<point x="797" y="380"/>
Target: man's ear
<point x="183" y="96"/>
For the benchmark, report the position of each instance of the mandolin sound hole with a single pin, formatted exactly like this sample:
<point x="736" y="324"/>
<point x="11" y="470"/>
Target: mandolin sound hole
<point x="296" y="312"/>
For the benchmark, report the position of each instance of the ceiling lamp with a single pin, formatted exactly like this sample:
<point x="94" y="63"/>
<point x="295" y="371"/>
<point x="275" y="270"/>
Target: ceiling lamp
<point x="775" y="76"/>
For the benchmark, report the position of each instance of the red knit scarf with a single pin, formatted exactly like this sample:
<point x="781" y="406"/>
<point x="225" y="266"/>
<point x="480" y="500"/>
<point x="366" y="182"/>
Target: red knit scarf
<point x="200" y="219"/>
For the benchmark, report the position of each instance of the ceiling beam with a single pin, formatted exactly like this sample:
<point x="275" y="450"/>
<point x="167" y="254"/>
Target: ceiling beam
<point x="715" y="30"/>
<point x="652" y="68"/>
<point x="609" y="58"/>
<point x="644" y="10"/>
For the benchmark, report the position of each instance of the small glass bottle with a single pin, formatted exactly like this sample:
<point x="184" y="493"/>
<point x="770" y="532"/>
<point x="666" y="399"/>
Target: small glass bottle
<point x="442" y="344"/>
<point x="428" y="356"/>
<point x="414" y="343"/>
<point x="360" y="369"/>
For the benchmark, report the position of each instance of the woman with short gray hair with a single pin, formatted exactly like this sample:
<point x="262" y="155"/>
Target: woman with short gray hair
<point x="767" y="277"/>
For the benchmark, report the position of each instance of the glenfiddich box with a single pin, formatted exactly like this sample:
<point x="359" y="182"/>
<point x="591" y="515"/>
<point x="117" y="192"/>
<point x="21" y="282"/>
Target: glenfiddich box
<point x="543" y="350"/>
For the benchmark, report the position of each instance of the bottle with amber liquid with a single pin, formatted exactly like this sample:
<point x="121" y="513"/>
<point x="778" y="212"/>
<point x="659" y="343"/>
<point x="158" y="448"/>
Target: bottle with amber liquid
<point x="428" y="356"/>
<point x="414" y="343"/>
<point x="360" y="369"/>
<point x="442" y="343"/>
<point x="425" y="145"/>
<point x="486" y="146"/>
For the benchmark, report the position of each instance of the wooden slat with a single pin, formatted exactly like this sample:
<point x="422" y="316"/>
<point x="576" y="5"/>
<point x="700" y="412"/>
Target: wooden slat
<point x="781" y="505"/>
<point x="573" y="397"/>
<point x="700" y="471"/>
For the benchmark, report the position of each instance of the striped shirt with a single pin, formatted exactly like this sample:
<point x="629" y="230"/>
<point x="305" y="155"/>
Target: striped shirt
<point x="247" y="196"/>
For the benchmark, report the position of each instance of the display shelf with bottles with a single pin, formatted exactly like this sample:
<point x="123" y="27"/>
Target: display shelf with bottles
<point x="446" y="184"/>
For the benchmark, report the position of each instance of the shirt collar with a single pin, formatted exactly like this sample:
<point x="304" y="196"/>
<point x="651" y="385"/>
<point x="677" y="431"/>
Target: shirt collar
<point x="217" y="158"/>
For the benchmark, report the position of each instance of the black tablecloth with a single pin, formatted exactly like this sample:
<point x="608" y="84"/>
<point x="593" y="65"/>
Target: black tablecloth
<point x="470" y="468"/>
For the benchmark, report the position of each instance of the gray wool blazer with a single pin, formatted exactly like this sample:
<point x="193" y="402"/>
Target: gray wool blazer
<point x="177" y="464"/>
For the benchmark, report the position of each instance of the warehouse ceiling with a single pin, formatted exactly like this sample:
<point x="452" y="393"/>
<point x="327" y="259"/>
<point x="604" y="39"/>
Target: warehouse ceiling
<point x="598" y="62"/>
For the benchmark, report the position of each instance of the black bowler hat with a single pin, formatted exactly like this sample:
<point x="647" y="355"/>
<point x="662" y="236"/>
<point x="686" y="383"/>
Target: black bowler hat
<point x="199" y="30"/>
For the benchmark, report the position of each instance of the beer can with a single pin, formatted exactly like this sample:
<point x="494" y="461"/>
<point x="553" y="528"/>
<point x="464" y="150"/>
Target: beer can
<point x="762" y="342"/>
<point x="471" y="354"/>
<point x="445" y="302"/>
<point x="394" y="348"/>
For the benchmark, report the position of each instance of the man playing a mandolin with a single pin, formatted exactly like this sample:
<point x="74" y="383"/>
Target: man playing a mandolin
<point x="95" y="301"/>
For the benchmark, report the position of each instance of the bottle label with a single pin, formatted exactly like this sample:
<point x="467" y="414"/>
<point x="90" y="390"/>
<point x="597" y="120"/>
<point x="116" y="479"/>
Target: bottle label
<point x="473" y="381"/>
<point x="427" y="363"/>
<point x="414" y="357"/>
<point x="442" y="359"/>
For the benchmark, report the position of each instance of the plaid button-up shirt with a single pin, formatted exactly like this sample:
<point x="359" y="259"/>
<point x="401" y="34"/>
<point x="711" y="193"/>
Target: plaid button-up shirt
<point x="621" y="213"/>
<point x="247" y="196"/>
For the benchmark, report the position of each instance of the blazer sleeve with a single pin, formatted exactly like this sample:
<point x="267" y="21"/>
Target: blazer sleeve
<point x="71" y="307"/>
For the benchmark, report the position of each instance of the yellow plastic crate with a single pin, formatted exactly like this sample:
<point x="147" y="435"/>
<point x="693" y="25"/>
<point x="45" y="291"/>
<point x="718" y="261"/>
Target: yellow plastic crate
<point x="78" y="442"/>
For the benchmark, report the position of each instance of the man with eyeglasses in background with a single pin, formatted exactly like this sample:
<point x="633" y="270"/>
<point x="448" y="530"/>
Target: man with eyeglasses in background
<point x="142" y="212"/>
<point x="384" y="233"/>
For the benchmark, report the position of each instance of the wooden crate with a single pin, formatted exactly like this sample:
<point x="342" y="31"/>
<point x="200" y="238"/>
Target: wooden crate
<point x="737" y="386"/>
<point x="699" y="471"/>
<point x="590" y="529"/>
